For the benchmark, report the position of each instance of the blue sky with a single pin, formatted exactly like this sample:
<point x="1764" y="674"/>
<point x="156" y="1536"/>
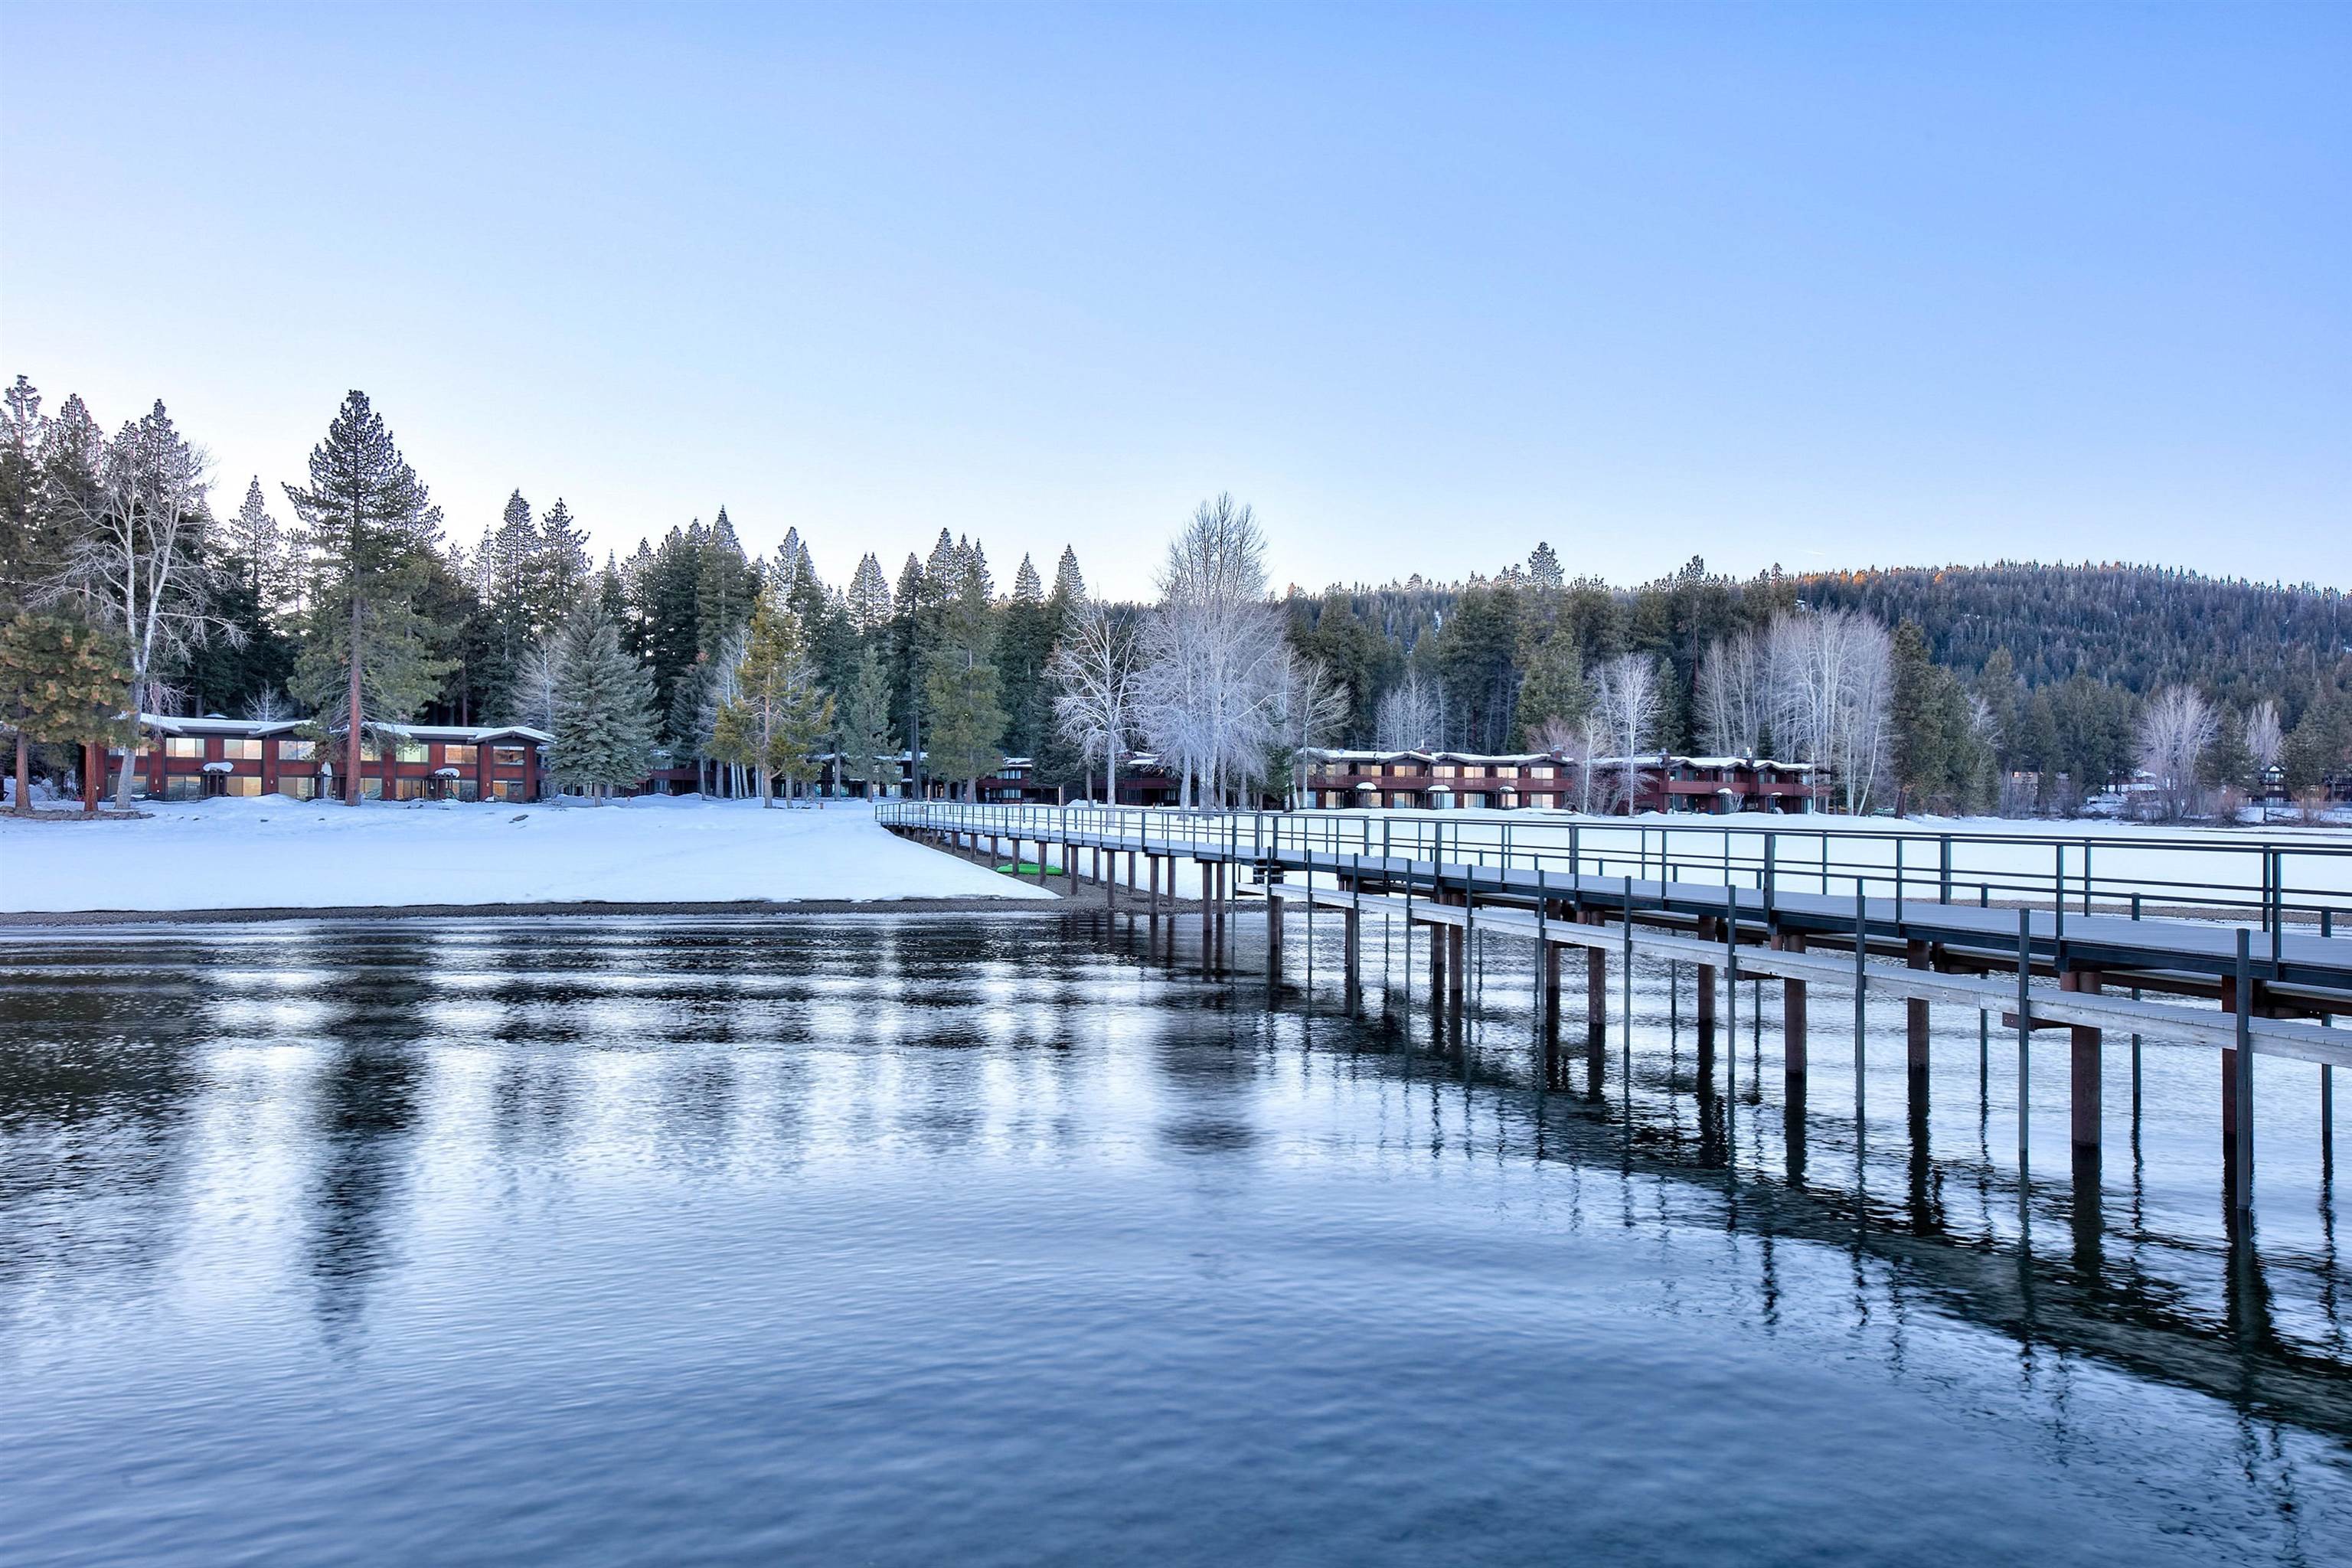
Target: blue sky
<point x="1821" y="286"/>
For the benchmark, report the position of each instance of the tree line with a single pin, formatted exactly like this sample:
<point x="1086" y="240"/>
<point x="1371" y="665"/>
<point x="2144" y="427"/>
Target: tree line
<point x="2017" y="688"/>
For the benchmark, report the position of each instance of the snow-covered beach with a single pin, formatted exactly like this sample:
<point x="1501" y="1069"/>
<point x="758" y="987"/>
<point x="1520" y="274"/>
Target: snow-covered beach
<point x="274" y="853"/>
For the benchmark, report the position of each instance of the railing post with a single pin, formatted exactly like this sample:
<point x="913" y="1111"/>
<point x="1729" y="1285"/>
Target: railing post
<point x="2024" y="1042"/>
<point x="1860" y="1006"/>
<point x="2242" y="1132"/>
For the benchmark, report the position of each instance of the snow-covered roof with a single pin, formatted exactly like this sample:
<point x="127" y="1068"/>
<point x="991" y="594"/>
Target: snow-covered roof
<point x="213" y="724"/>
<point x="220" y="767"/>
<point x="464" y="734"/>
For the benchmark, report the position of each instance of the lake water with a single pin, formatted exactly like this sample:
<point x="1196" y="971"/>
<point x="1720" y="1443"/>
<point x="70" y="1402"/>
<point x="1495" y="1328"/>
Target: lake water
<point x="1019" y="1239"/>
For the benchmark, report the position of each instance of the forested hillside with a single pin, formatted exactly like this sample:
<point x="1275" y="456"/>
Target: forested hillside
<point x="2018" y="686"/>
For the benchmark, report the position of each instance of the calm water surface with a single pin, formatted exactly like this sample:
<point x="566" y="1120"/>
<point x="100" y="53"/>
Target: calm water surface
<point x="1017" y="1239"/>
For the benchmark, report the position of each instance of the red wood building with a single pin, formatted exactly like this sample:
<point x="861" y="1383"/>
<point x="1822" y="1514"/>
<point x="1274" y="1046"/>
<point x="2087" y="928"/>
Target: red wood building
<point x="1539" y="780"/>
<point x="196" y="759"/>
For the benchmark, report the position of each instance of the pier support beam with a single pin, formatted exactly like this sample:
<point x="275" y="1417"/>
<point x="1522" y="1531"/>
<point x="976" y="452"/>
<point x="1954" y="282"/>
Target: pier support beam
<point x="1916" y="1014"/>
<point x="2084" y="1087"/>
<point x="1351" y="931"/>
<point x="1273" y="939"/>
<point x="1596" y="996"/>
<point x="1792" y="1013"/>
<point x="1710" y="931"/>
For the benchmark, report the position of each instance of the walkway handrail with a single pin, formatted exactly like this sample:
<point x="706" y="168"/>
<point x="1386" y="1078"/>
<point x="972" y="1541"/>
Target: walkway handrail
<point x="2267" y="879"/>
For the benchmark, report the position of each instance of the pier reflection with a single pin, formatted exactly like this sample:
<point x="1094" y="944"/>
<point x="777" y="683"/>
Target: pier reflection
<point x="365" y="1119"/>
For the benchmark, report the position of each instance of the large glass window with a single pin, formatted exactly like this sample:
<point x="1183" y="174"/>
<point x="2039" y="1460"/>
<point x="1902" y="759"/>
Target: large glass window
<point x="506" y="756"/>
<point x="369" y="750"/>
<point x="184" y="745"/>
<point x="411" y="751"/>
<point x="371" y="789"/>
<point x="246" y="787"/>
<point x="298" y="788"/>
<point x="183" y="786"/>
<point x="298" y="751"/>
<point x="241" y="751"/>
<point x="457" y="756"/>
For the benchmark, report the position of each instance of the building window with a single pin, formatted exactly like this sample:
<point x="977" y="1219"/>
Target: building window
<point x="371" y="789"/>
<point x="457" y="756"/>
<point x="298" y="751"/>
<point x="241" y="751"/>
<point x="369" y="750"/>
<point x="185" y="786"/>
<point x="506" y="756"/>
<point x="298" y="788"/>
<point x="411" y="751"/>
<point x="246" y="787"/>
<point x="184" y="746"/>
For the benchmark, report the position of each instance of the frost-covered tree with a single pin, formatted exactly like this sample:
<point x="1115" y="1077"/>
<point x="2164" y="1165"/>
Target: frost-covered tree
<point x="2265" y="744"/>
<point x="1410" y="716"/>
<point x="1628" y="699"/>
<point x="602" y="712"/>
<point x="1213" y="655"/>
<point x="2176" y="728"/>
<point x="776" y="719"/>
<point x="368" y="657"/>
<point x="1095" y="697"/>
<point x="1730" y="696"/>
<point x="1830" y="675"/>
<point x="136" y="562"/>
<point x="1310" y="706"/>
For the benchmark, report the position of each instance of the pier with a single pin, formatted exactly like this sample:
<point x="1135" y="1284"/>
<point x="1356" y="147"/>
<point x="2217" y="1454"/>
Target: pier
<point x="2229" y="946"/>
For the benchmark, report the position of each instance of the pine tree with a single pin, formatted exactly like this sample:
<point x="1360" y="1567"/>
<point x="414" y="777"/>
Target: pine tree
<point x="368" y="657"/>
<point x="61" y="683"/>
<point x="603" y="714"/>
<point x="778" y="721"/>
<point x="862" y="722"/>
<point x="961" y="685"/>
<point x="1068" y="584"/>
<point x="869" y="597"/>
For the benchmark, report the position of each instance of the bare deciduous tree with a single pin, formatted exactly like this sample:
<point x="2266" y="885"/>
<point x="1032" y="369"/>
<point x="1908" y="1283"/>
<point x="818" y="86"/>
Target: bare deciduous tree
<point x="1212" y="654"/>
<point x="1730" y="696"/>
<point x="2175" y="729"/>
<point x="1411" y="717"/>
<point x="1831" y="678"/>
<point x="2264" y="742"/>
<point x="1311" y="706"/>
<point x="1097" y="698"/>
<point x="135" y="558"/>
<point x="1628" y="697"/>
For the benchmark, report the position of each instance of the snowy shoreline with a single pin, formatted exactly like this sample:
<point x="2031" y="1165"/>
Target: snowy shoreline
<point x="300" y="859"/>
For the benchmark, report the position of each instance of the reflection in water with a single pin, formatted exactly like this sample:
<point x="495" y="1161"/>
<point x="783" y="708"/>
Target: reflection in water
<point x="998" y="1239"/>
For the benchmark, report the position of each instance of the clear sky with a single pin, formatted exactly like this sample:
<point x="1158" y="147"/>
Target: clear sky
<point x="1827" y="287"/>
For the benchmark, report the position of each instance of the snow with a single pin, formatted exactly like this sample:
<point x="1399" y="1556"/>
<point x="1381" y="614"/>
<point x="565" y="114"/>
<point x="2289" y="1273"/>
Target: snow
<point x="274" y="853"/>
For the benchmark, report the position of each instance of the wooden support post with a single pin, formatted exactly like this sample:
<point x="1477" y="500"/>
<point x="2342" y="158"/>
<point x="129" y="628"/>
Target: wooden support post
<point x="1596" y="994"/>
<point x="2084" y="1091"/>
<point x="1551" y="979"/>
<point x="1915" y="1013"/>
<point x="1792" y="1014"/>
<point x="1273" y="939"/>
<point x="1351" y="931"/>
<point x="2238" y="1082"/>
<point x="1456" y="943"/>
<point x="1436" y="962"/>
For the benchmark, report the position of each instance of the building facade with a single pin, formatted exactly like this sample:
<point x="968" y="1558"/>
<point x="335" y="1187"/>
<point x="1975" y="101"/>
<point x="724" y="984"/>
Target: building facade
<point x="199" y="759"/>
<point x="1336" y="780"/>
